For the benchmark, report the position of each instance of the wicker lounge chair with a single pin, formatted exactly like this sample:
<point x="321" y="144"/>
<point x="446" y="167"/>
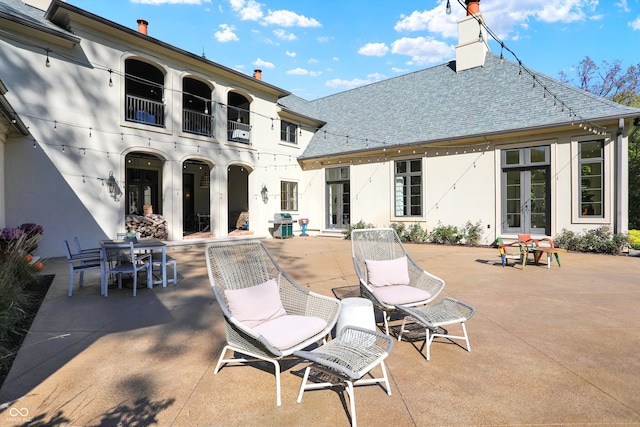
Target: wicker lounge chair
<point x="387" y="274"/>
<point x="394" y="282"/>
<point x="267" y="316"/>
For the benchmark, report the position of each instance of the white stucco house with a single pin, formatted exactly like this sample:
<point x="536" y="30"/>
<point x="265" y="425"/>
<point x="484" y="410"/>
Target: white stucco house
<point x="99" y="121"/>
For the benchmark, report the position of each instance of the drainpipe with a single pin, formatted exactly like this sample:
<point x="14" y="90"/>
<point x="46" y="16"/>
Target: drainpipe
<point x="621" y="154"/>
<point x="142" y="26"/>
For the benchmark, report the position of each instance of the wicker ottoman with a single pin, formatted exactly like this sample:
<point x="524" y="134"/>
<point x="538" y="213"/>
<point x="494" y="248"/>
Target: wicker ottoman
<point x="349" y="357"/>
<point x="446" y="312"/>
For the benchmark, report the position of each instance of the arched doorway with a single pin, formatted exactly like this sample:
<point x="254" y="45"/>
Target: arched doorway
<point x="238" y="197"/>
<point x="196" y="199"/>
<point x="143" y="184"/>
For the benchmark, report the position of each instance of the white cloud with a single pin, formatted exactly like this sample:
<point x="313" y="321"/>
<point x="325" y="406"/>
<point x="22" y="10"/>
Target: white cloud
<point x="373" y="49"/>
<point x="435" y="21"/>
<point x="313" y="61"/>
<point x="227" y="34"/>
<point x="303" y="72"/>
<point x="283" y="35"/>
<point x="287" y="18"/>
<point x="291" y="54"/>
<point x="263" y="64"/>
<point x="376" y="76"/>
<point x="156" y="2"/>
<point x="335" y="58"/>
<point x="347" y="84"/>
<point x="622" y="4"/>
<point x="249" y="10"/>
<point x="566" y="10"/>
<point x="505" y="16"/>
<point x="635" y="24"/>
<point x="399" y="70"/>
<point x="324" y="39"/>
<point x="423" y="50"/>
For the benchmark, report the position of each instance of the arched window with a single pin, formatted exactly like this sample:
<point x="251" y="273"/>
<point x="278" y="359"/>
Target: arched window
<point x="144" y="93"/>
<point x="197" y="115"/>
<point x="238" y="118"/>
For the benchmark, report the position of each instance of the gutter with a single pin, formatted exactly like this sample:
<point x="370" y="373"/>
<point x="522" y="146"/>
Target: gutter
<point x="8" y="112"/>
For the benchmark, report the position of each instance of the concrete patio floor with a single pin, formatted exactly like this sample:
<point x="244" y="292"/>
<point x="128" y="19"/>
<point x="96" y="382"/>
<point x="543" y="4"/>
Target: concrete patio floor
<point x="552" y="346"/>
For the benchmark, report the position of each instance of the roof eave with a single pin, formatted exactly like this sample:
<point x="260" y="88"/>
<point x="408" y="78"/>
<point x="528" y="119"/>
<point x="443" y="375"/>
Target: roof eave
<point x="60" y="5"/>
<point x="471" y="137"/>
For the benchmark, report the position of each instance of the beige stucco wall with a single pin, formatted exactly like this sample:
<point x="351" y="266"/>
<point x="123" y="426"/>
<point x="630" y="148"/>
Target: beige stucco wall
<point x="77" y="123"/>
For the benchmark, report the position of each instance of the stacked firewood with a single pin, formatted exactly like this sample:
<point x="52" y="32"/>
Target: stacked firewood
<point x="152" y="225"/>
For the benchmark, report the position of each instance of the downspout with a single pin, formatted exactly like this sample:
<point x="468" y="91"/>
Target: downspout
<point x="621" y="169"/>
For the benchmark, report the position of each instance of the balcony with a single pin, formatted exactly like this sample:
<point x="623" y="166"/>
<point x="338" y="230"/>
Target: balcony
<point x="145" y="111"/>
<point x="239" y="132"/>
<point x="197" y="123"/>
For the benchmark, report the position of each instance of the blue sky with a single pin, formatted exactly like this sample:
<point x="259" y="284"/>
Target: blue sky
<point x="314" y="48"/>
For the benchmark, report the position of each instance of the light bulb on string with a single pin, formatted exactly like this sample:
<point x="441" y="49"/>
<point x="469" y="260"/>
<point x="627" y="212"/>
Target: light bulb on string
<point x="47" y="63"/>
<point x="448" y="9"/>
<point x="110" y="79"/>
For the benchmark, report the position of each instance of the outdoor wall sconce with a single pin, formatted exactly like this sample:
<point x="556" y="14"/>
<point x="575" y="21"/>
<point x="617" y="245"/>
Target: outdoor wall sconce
<point x="112" y="186"/>
<point x="265" y="194"/>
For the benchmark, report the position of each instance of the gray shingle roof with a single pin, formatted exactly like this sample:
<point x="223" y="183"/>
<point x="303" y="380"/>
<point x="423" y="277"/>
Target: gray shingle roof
<point x="17" y="11"/>
<point x="438" y="104"/>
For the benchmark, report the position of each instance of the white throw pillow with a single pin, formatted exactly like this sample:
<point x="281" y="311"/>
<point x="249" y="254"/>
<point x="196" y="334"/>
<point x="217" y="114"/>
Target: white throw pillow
<point x="388" y="272"/>
<point x="256" y="304"/>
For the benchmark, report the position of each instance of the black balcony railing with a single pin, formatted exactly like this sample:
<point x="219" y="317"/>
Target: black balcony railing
<point x="146" y="111"/>
<point x="239" y="132"/>
<point x="197" y="123"/>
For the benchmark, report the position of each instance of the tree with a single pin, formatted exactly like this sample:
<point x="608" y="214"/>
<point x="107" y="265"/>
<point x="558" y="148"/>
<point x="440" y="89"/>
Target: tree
<point x="622" y="86"/>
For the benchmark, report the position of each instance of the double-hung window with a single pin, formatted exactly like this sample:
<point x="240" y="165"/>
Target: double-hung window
<point x="288" y="196"/>
<point x="408" y="187"/>
<point x="591" y="170"/>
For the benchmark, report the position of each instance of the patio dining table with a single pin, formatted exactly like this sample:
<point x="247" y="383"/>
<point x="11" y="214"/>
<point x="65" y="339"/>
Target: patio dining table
<point x="145" y="245"/>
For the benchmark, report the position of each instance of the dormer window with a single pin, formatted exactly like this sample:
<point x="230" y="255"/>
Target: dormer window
<point x="288" y="132"/>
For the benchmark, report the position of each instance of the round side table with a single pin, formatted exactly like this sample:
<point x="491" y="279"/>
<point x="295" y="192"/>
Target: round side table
<point x="356" y="312"/>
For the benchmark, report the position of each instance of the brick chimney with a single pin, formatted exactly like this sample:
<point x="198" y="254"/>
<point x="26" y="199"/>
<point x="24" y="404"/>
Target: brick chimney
<point x="473" y="7"/>
<point x="142" y="26"/>
<point x="257" y="74"/>
<point x="472" y="49"/>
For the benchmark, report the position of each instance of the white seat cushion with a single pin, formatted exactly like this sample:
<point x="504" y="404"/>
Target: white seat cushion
<point x="288" y="331"/>
<point x="388" y="272"/>
<point x="256" y="304"/>
<point x="400" y="294"/>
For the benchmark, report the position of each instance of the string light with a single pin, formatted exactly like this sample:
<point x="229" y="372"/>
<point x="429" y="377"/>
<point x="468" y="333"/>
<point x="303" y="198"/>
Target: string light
<point x="47" y="63"/>
<point x="110" y="80"/>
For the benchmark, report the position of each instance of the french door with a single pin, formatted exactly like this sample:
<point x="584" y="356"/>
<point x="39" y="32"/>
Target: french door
<point x="338" y="198"/>
<point x="525" y="192"/>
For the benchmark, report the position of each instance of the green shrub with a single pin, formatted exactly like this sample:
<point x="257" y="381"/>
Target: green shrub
<point x="599" y="240"/>
<point x="360" y="224"/>
<point x="634" y="239"/>
<point x="446" y="235"/>
<point x="413" y="233"/>
<point x="473" y="233"/>
<point x="399" y="228"/>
